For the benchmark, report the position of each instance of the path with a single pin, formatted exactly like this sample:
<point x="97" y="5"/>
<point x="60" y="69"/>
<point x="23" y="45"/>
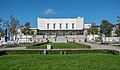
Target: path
<point x="13" y="48"/>
<point x="97" y="46"/>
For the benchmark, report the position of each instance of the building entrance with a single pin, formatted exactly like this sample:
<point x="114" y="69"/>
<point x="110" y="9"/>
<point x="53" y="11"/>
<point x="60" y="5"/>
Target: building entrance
<point x="59" y="33"/>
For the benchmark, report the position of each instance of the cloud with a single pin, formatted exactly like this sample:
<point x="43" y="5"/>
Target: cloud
<point x="49" y="11"/>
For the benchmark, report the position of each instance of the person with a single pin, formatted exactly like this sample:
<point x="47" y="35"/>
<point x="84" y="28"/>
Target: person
<point x="85" y="39"/>
<point x="38" y="40"/>
<point x="101" y="41"/>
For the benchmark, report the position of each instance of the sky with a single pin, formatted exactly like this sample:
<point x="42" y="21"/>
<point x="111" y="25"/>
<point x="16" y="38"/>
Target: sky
<point x="29" y="10"/>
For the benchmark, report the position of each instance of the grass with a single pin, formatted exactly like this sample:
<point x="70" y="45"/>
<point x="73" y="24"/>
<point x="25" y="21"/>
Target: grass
<point x="60" y="62"/>
<point x="60" y="46"/>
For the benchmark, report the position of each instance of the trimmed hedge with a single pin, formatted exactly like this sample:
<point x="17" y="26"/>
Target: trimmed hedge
<point x="62" y="52"/>
<point x="24" y="51"/>
<point x="33" y="46"/>
<point x="40" y="44"/>
<point x="2" y="53"/>
<point x="82" y="51"/>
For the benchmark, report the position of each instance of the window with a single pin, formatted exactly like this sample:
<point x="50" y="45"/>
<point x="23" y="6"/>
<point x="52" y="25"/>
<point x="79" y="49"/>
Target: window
<point x="72" y="25"/>
<point x="47" y="26"/>
<point x="66" y="25"/>
<point x="60" y="26"/>
<point x="53" y="26"/>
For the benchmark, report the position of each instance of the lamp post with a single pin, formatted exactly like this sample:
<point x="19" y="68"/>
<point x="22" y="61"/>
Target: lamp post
<point x="85" y="34"/>
<point x="6" y="35"/>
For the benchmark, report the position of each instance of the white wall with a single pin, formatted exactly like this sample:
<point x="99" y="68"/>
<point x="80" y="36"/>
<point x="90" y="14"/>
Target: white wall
<point x="87" y="26"/>
<point x="90" y="37"/>
<point x="111" y="39"/>
<point x="42" y="23"/>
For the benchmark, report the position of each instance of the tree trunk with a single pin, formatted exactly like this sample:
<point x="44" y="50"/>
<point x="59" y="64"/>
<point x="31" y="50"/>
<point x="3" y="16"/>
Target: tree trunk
<point x="105" y="39"/>
<point x="13" y="39"/>
<point x="93" y="38"/>
<point x="0" y="41"/>
<point x="26" y="38"/>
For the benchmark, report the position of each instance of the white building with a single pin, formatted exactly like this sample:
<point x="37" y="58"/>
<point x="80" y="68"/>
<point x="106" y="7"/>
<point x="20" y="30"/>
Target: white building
<point x="60" y="26"/>
<point x="87" y="26"/>
<point x="70" y="28"/>
<point x="61" y="23"/>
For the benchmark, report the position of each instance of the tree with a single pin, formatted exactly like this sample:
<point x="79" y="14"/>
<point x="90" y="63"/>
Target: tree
<point x="93" y="30"/>
<point x="12" y="26"/>
<point x="2" y="31"/>
<point x="105" y="28"/>
<point x="1" y="20"/>
<point x="32" y="34"/>
<point x="118" y="27"/>
<point x="26" y="29"/>
<point x="0" y="28"/>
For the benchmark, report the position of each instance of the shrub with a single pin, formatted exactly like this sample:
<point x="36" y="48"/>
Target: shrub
<point x="2" y="53"/>
<point x="40" y="44"/>
<point x="24" y="51"/>
<point x="35" y="46"/>
<point x="114" y="52"/>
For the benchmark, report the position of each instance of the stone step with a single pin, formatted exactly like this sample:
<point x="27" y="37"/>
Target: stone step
<point x="61" y="39"/>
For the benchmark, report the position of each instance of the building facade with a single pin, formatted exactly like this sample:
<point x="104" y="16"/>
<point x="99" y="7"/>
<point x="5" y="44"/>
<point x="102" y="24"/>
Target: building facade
<point x="60" y="26"/>
<point x="87" y="26"/>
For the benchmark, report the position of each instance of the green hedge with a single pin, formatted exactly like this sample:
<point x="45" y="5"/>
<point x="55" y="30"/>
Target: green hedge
<point x="2" y="53"/>
<point x="24" y="51"/>
<point x="35" y="46"/>
<point x="82" y="51"/>
<point x="58" y="52"/>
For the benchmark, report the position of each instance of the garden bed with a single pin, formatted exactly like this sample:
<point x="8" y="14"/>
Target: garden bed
<point x="71" y="45"/>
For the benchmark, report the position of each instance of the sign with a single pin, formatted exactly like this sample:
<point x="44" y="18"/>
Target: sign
<point x="48" y="46"/>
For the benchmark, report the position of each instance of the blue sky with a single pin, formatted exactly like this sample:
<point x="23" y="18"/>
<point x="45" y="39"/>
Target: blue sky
<point x="91" y="10"/>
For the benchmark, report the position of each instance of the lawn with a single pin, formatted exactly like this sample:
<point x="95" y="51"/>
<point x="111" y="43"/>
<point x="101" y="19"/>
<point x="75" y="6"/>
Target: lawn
<point x="60" y="62"/>
<point x="59" y="46"/>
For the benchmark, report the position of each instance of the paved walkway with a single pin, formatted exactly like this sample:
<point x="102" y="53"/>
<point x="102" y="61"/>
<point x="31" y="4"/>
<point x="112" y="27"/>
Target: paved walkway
<point x="97" y="46"/>
<point x="13" y="48"/>
<point x="93" y="46"/>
